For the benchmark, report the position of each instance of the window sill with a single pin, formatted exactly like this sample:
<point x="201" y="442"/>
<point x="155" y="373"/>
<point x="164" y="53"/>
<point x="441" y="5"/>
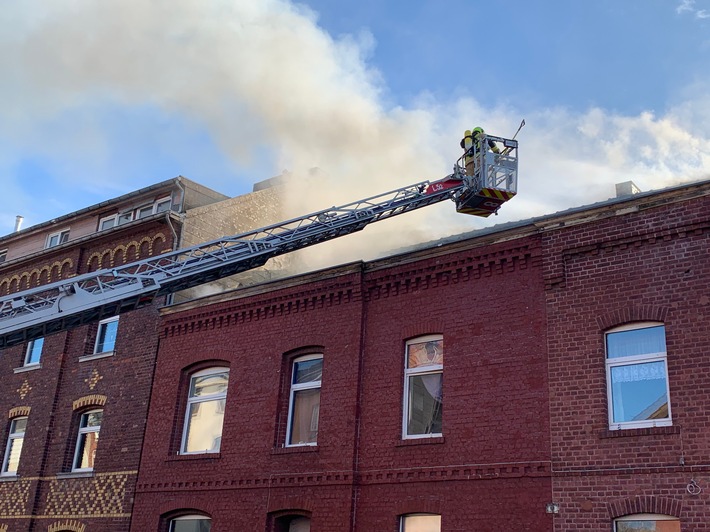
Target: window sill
<point x="75" y="474"/>
<point x="645" y="431"/>
<point x="295" y="449"/>
<point x="194" y="456"/>
<point x="9" y="478"/>
<point x="420" y="441"/>
<point x="29" y="367"/>
<point x="95" y="356"/>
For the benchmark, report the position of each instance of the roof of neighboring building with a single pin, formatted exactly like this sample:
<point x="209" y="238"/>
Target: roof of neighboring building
<point x="169" y="183"/>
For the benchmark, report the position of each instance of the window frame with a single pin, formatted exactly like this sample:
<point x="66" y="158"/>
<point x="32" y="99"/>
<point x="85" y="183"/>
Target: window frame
<point x="82" y="435"/>
<point x="633" y="360"/>
<point x="293" y="388"/>
<point x="645" y="517"/>
<point x="117" y="219"/>
<point x="190" y="517"/>
<point x="412" y="372"/>
<point x="62" y="238"/>
<point x="12" y="436"/>
<point x="213" y="370"/>
<point x="105" y="323"/>
<point x="403" y="518"/>
<point x="3" y="255"/>
<point x="30" y="351"/>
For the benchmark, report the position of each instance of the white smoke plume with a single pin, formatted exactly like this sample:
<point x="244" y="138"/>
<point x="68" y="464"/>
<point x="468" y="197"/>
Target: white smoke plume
<point x="268" y="83"/>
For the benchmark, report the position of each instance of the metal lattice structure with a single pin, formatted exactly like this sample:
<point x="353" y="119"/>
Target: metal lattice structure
<point x="86" y="298"/>
<point x="104" y="293"/>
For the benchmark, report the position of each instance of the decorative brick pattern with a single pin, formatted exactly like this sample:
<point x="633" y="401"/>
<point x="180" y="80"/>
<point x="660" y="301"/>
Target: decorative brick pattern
<point x="103" y="495"/>
<point x="94" y="379"/>
<point x="89" y="400"/>
<point x="37" y="276"/>
<point x="24" y="389"/>
<point x="61" y="526"/>
<point x="14" y="498"/>
<point x="19" y="411"/>
<point x="124" y="253"/>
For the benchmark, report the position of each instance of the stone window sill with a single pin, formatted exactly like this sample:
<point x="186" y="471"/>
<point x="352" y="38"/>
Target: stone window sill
<point x="75" y="474"/>
<point x="196" y="456"/>
<point x="645" y="431"/>
<point x="29" y="367"/>
<point x="295" y="449"/>
<point x="96" y="356"/>
<point x="420" y="441"/>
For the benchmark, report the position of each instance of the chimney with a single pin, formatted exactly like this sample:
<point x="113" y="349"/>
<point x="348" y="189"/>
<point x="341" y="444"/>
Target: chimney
<point x="18" y="222"/>
<point x="627" y="188"/>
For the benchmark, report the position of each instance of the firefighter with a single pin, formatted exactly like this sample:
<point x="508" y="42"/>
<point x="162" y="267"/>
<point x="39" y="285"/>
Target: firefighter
<point x="471" y="143"/>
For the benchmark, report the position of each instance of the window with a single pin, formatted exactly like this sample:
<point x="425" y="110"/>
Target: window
<point x="144" y="211"/>
<point x="420" y="523"/>
<point x="34" y="352"/>
<point x="116" y="219"/>
<point x="56" y="239"/>
<point x="191" y="523"/>
<point x="3" y="255"/>
<point x="423" y="379"/>
<point x="86" y="443"/>
<point x="205" y="411"/>
<point x="163" y="205"/>
<point x="291" y="523"/>
<point x="637" y="376"/>
<point x="647" y="523"/>
<point x="304" y="400"/>
<point x="106" y="335"/>
<point x="13" y="449"/>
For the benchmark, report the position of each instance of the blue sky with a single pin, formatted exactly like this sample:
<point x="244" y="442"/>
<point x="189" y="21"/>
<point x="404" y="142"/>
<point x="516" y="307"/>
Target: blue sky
<point x="103" y="98"/>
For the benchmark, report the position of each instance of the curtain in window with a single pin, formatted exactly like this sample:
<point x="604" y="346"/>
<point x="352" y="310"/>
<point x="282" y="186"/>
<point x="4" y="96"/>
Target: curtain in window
<point x="636" y="342"/>
<point x="639" y="372"/>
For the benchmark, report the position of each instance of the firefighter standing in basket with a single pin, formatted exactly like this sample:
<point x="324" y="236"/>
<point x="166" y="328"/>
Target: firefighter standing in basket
<point x="471" y="143"/>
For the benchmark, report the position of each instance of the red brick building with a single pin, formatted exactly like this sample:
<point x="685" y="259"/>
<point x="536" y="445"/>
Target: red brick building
<point x="73" y="404"/>
<point x="550" y="374"/>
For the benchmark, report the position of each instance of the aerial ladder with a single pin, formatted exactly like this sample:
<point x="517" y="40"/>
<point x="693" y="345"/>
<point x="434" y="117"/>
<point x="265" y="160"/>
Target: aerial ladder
<point x="100" y="294"/>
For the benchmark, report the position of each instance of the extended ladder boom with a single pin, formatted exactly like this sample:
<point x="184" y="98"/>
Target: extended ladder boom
<point x="104" y="293"/>
<point x="66" y="304"/>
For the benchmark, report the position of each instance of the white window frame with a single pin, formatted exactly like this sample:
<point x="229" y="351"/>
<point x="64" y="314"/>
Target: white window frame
<point x="194" y="400"/>
<point x="645" y="517"/>
<point x="3" y="255"/>
<point x="403" y="518"/>
<point x="118" y="219"/>
<point x="12" y="438"/>
<point x="292" y="394"/>
<point x="104" y="324"/>
<point x="30" y="351"/>
<point x="62" y="238"/>
<point x="82" y="435"/>
<point x="161" y="201"/>
<point x="631" y="361"/>
<point x="193" y="517"/>
<point x="408" y="373"/>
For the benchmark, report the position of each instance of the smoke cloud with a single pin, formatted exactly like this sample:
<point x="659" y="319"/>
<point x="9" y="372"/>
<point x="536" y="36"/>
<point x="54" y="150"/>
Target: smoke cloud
<point x="268" y="84"/>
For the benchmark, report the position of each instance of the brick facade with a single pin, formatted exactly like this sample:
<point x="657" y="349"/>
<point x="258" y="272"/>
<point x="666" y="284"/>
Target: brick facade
<point x="492" y="462"/>
<point x="522" y="311"/>
<point x="46" y="494"/>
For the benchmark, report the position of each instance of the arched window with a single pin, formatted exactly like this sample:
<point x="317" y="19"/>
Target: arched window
<point x="647" y="523"/>
<point x="420" y="523"/>
<point x="87" y="440"/>
<point x="292" y="523"/>
<point x="304" y="400"/>
<point x="207" y="396"/>
<point x="190" y="523"/>
<point x="637" y="376"/>
<point x="13" y="449"/>
<point x="423" y="386"/>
